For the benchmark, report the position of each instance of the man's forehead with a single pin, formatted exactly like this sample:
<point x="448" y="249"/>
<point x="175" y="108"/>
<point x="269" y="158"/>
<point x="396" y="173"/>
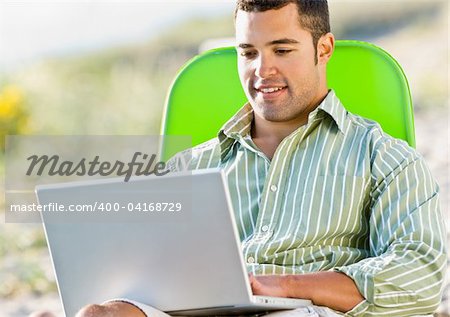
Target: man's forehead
<point x="268" y="26"/>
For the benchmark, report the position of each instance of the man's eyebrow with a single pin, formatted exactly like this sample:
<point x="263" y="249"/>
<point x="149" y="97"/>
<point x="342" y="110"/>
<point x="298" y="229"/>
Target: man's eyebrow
<point x="244" y="45"/>
<point x="283" y="41"/>
<point x="274" y="42"/>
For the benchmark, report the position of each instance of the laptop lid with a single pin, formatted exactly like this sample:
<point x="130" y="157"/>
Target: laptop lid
<point x="172" y="260"/>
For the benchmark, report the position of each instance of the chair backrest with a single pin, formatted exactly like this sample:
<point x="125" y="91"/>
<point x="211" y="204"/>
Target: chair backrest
<point x="207" y="92"/>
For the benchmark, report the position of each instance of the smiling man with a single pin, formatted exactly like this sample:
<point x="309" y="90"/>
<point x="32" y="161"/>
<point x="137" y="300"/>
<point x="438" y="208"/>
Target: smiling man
<point x="328" y="207"/>
<point x="282" y="66"/>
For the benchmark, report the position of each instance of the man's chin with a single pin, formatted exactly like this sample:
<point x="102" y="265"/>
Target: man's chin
<point x="270" y="111"/>
<point x="273" y="116"/>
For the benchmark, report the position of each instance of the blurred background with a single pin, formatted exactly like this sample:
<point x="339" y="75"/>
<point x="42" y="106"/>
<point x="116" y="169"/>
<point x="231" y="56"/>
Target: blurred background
<point x="104" y="67"/>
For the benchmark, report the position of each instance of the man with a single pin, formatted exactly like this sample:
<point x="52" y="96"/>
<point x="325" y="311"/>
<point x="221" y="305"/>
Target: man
<point x="328" y="207"/>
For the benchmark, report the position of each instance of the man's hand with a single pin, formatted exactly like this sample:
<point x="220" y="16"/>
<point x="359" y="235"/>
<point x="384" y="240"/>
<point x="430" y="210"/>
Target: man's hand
<point x="269" y="285"/>
<point x="334" y="290"/>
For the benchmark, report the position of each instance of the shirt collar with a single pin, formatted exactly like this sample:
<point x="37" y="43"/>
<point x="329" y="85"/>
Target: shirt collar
<point x="240" y="124"/>
<point x="334" y="108"/>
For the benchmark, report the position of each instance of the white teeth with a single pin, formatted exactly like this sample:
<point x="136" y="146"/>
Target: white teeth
<point x="267" y="90"/>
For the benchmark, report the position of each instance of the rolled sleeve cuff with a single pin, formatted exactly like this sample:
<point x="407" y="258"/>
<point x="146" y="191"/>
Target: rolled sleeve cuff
<point x="359" y="310"/>
<point x="367" y="283"/>
<point x="364" y="281"/>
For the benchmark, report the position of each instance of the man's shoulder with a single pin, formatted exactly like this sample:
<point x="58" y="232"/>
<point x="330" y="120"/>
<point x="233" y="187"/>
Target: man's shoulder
<point x="207" y="145"/>
<point x="380" y="145"/>
<point x="207" y="148"/>
<point x="203" y="155"/>
<point x="376" y="135"/>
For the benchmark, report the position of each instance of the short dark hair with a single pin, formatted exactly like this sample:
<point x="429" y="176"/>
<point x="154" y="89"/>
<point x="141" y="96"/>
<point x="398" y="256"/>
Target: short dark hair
<point x="314" y="16"/>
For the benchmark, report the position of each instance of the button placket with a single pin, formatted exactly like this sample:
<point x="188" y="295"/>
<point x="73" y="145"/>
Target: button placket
<point x="273" y="197"/>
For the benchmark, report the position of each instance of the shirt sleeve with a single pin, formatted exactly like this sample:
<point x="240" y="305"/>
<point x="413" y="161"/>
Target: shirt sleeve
<point x="180" y="161"/>
<point x="148" y="311"/>
<point x="405" y="273"/>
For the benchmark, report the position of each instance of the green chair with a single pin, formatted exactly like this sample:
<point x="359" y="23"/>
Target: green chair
<point x="207" y="92"/>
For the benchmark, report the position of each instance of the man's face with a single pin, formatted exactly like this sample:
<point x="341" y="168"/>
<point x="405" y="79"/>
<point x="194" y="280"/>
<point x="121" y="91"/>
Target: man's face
<point x="276" y="62"/>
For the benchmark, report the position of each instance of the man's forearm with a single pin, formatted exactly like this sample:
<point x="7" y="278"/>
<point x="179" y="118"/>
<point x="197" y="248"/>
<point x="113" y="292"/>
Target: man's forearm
<point x="331" y="289"/>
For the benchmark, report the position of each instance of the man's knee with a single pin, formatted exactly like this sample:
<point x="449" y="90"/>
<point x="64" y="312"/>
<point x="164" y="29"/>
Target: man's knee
<point x="112" y="309"/>
<point x="91" y="311"/>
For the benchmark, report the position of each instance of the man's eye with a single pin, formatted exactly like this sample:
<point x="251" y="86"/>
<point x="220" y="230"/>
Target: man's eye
<point x="282" y="51"/>
<point x="248" y="54"/>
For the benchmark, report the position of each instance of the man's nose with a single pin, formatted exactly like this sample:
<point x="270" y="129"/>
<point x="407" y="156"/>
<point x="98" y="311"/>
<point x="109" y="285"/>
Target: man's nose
<point x="264" y="67"/>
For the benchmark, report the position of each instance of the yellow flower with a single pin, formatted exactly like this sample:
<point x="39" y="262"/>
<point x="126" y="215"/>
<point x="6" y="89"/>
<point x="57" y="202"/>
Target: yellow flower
<point x="11" y="97"/>
<point x="13" y="115"/>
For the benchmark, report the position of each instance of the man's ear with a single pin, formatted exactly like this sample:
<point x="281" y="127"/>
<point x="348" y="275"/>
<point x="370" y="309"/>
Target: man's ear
<point x="325" y="48"/>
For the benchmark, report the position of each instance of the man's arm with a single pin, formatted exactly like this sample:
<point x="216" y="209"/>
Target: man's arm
<point x="407" y="239"/>
<point x="407" y="242"/>
<point x="331" y="289"/>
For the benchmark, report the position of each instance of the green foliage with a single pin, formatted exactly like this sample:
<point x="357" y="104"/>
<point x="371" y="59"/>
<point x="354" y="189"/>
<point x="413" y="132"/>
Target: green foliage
<point x="116" y="91"/>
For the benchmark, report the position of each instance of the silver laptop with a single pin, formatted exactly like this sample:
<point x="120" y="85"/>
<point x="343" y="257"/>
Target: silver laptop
<point x="184" y="260"/>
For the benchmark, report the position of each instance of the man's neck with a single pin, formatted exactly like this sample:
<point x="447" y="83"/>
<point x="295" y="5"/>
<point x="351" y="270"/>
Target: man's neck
<point x="267" y="135"/>
<point x="263" y="129"/>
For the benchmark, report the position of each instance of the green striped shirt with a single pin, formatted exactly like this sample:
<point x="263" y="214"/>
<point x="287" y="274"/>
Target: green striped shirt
<point x="339" y="194"/>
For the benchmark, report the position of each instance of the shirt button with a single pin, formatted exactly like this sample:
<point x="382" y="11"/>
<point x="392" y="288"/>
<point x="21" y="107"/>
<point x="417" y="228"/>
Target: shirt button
<point x="250" y="259"/>
<point x="265" y="228"/>
<point x="273" y="188"/>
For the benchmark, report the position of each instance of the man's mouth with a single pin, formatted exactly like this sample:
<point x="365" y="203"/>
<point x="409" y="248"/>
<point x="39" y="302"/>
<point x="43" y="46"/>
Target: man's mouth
<point x="270" y="89"/>
<point x="270" y="92"/>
